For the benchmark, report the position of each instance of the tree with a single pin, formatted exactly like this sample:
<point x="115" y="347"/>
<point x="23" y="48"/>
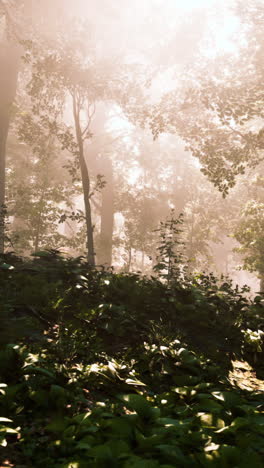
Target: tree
<point x="71" y="71"/>
<point x="218" y="109"/>
<point x="37" y="189"/>
<point x="141" y="211"/>
<point x="250" y="234"/>
<point x="249" y="227"/>
<point x="104" y="256"/>
<point x="20" y="21"/>
<point x="69" y="82"/>
<point x="103" y="148"/>
<point x="9" y="63"/>
<point x="170" y="249"/>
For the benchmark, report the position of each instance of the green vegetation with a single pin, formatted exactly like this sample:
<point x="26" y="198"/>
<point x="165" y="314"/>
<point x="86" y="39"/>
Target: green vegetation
<point x="123" y="339"/>
<point x="118" y="370"/>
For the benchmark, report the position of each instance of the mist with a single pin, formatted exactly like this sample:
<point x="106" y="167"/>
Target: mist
<point x="116" y="116"/>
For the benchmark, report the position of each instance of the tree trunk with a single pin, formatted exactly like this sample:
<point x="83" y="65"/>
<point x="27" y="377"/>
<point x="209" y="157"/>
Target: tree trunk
<point x="129" y="259"/>
<point x="85" y="184"/>
<point x="38" y="226"/>
<point x="88" y="212"/>
<point x="4" y="124"/>
<point x="261" y="286"/>
<point x="143" y="260"/>
<point x="107" y="215"/>
<point x="9" y="60"/>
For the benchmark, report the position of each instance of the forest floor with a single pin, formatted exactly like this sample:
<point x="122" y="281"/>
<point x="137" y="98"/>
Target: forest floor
<point x="242" y="376"/>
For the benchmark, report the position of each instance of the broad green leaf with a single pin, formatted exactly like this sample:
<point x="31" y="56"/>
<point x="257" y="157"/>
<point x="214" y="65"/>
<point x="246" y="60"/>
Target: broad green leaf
<point x="38" y="370"/>
<point x="41" y="253"/>
<point x="139" y="404"/>
<point x="209" y="405"/>
<point x="135" y="382"/>
<point x="8" y="430"/>
<point x="6" y="266"/>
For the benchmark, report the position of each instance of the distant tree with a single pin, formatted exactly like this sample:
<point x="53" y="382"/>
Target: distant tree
<point x="9" y="64"/>
<point x="250" y="234"/>
<point x="103" y="149"/>
<point x="20" y="22"/>
<point x="170" y="249"/>
<point x="37" y="191"/>
<point x="249" y="228"/>
<point x="140" y="210"/>
<point x="67" y="74"/>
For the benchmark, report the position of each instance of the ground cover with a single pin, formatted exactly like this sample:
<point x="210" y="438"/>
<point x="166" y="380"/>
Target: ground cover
<point x="113" y="370"/>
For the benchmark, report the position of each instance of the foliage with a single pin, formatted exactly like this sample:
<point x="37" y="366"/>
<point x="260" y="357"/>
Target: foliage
<point x="140" y="213"/>
<point x="217" y="107"/>
<point x="103" y="414"/>
<point x="122" y="370"/>
<point x="249" y="233"/>
<point x="170" y="256"/>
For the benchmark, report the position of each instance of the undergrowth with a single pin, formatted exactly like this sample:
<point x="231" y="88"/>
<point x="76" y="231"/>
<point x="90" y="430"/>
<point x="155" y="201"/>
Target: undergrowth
<point x="117" y="370"/>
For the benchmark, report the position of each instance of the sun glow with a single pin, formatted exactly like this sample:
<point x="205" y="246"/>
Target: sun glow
<point x="186" y="5"/>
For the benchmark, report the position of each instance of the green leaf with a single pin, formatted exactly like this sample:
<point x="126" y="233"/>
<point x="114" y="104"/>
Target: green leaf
<point x="229" y="399"/>
<point x="135" y="382"/>
<point x="137" y="462"/>
<point x="209" y="405"/>
<point x="171" y="422"/>
<point x="57" y="425"/>
<point x="8" y="430"/>
<point x="41" y="253"/>
<point x="6" y="266"/>
<point x="101" y="452"/>
<point x="174" y="453"/>
<point x="184" y="380"/>
<point x="28" y="370"/>
<point x="56" y="391"/>
<point x="210" y="420"/>
<point x="121" y="427"/>
<point x="139" y="404"/>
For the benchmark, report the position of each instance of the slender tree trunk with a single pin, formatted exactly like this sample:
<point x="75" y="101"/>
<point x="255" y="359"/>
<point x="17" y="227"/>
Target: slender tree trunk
<point x="4" y="124"/>
<point x="143" y="260"/>
<point x="190" y="253"/>
<point x="88" y="212"/>
<point x="107" y="215"/>
<point x="36" y="242"/>
<point x="85" y="183"/>
<point x="9" y="60"/>
<point x="129" y="259"/>
<point x="37" y="236"/>
<point x="261" y="286"/>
